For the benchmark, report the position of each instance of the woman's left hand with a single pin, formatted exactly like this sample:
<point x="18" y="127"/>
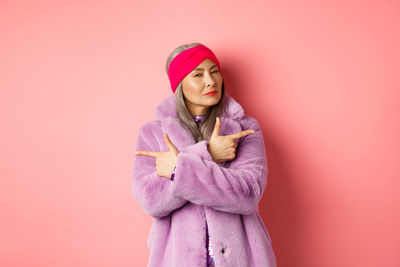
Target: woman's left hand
<point x="165" y="161"/>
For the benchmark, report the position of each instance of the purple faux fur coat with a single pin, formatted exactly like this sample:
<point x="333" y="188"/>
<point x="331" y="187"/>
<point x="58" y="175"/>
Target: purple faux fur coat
<point x="224" y="196"/>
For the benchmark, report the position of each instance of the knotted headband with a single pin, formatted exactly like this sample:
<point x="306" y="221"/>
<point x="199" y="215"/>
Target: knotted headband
<point x="186" y="61"/>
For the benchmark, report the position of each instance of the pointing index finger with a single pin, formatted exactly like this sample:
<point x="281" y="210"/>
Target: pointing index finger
<point x="147" y="153"/>
<point x="242" y="134"/>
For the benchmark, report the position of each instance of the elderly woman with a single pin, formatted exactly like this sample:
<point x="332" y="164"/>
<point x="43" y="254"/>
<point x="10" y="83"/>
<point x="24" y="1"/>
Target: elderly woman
<point x="201" y="170"/>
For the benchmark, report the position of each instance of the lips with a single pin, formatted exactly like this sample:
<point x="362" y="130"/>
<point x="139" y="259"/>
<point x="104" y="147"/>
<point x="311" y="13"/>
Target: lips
<point x="211" y="93"/>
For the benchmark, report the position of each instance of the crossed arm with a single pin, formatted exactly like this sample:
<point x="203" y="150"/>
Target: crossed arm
<point x="198" y="179"/>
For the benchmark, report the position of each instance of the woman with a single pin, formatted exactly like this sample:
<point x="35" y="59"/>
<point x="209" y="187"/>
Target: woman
<point x="201" y="170"/>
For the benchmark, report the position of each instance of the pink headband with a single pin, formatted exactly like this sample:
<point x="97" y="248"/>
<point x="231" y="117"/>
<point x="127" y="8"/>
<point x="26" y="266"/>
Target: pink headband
<point x="186" y="61"/>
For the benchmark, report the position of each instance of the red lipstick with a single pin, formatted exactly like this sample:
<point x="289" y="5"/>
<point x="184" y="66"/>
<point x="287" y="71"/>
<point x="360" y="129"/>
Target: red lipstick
<point x="211" y="93"/>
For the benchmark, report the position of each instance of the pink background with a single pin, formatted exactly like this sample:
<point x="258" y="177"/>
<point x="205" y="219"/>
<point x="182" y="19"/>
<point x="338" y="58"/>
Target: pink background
<point x="78" y="79"/>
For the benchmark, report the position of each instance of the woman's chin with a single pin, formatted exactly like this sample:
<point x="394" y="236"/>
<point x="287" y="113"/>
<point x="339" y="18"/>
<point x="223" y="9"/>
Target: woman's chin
<point x="211" y="102"/>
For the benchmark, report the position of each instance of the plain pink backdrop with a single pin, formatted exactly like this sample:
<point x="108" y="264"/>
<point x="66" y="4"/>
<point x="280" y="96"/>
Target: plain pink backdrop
<point x="78" y="79"/>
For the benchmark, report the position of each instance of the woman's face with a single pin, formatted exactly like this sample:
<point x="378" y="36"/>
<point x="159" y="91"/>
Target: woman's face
<point x="202" y="80"/>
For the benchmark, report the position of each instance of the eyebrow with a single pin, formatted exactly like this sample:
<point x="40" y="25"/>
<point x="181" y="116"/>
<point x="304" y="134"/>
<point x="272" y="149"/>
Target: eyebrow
<point x="203" y="69"/>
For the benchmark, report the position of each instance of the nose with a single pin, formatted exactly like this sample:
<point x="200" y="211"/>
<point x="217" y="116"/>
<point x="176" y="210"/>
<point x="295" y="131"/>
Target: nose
<point x="209" y="80"/>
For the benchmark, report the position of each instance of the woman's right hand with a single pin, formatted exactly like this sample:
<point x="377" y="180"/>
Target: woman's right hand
<point x="223" y="147"/>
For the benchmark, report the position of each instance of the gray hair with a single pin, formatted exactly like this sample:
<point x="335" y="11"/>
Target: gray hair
<point x="204" y="131"/>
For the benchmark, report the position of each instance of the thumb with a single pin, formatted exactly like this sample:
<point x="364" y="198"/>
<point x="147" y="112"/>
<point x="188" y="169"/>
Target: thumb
<point x="217" y="127"/>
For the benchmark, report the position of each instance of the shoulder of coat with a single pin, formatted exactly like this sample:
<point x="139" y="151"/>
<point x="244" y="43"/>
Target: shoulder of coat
<point x="150" y="126"/>
<point x="248" y="122"/>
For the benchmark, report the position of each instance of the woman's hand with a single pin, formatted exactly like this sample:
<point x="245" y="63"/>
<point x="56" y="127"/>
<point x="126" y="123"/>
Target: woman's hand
<point x="223" y="147"/>
<point x="165" y="161"/>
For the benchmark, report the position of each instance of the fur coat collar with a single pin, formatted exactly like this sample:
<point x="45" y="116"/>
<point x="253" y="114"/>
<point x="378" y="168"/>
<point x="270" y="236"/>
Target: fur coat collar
<point x="166" y="112"/>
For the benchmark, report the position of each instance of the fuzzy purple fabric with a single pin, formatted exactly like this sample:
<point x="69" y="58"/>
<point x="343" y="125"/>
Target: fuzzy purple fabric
<point x="219" y="197"/>
<point x="210" y="259"/>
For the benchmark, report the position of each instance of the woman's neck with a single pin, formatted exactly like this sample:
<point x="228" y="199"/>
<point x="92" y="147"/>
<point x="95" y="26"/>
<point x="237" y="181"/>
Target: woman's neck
<point x="196" y="110"/>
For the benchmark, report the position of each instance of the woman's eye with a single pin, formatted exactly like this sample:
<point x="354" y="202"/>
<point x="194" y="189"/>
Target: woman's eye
<point x="200" y="74"/>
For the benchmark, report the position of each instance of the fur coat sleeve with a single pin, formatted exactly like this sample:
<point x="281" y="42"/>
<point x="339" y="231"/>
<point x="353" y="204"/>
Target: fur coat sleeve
<point x="150" y="189"/>
<point x="235" y="187"/>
